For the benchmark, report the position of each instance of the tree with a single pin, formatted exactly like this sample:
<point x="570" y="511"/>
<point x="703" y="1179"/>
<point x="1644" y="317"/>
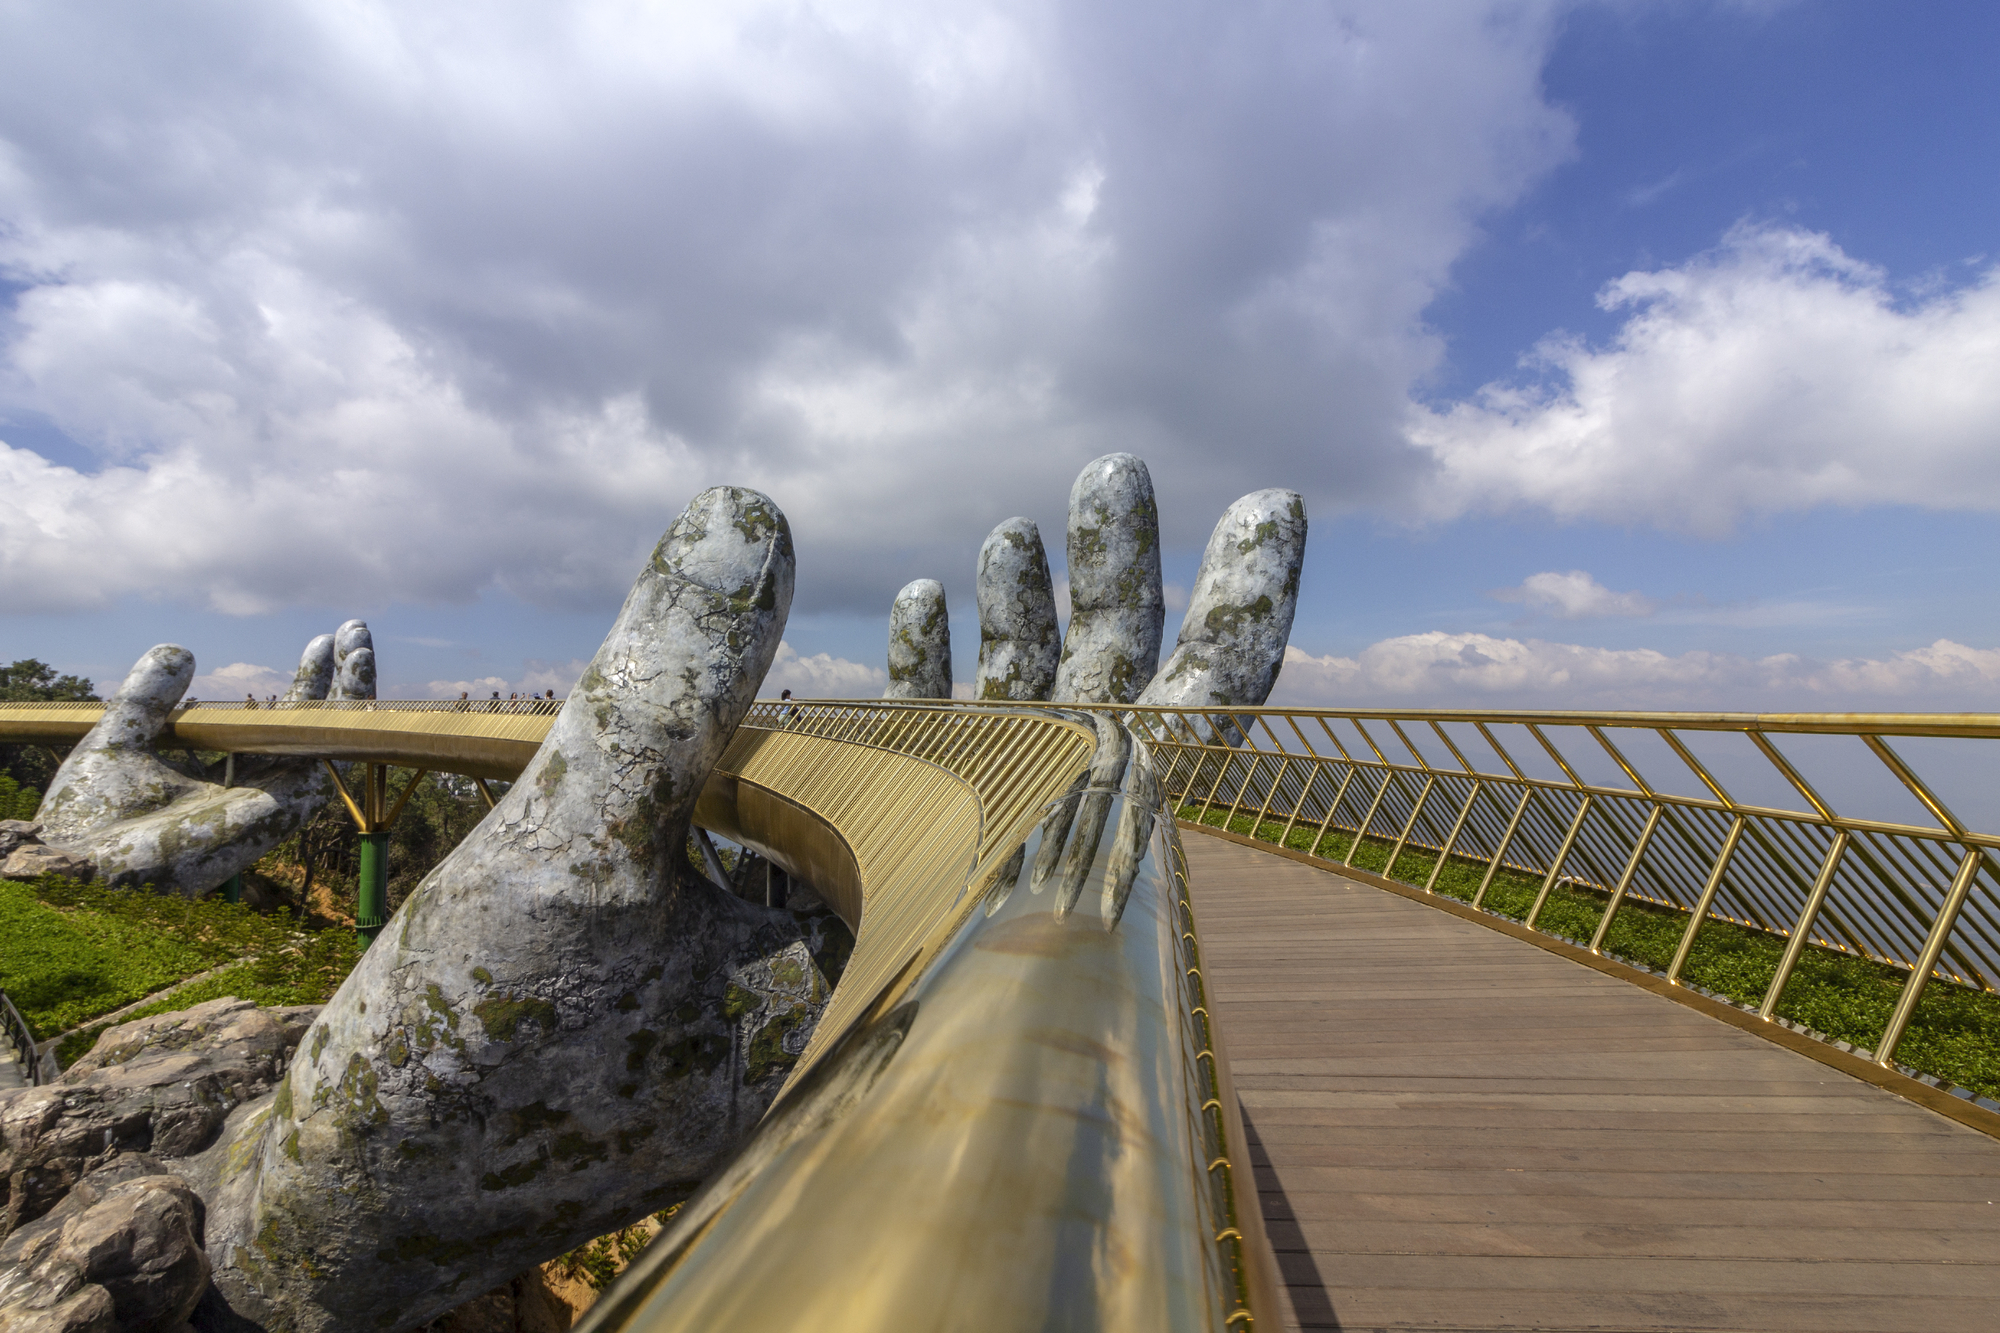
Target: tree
<point x="31" y="767"/>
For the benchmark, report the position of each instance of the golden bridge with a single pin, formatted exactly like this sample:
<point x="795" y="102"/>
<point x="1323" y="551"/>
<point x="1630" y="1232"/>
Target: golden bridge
<point x="1448" y="1020"/>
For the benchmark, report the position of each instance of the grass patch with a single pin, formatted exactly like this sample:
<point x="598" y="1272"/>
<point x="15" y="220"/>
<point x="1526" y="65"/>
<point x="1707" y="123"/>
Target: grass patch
<point x="74" y="952"/>
<point x="1954" y="1034"/>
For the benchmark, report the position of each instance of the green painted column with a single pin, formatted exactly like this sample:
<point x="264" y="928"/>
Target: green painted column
<point x="232" y="888"/>
<point x="371" y="912"/>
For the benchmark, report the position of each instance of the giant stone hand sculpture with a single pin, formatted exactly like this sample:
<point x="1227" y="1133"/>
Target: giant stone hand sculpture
<point x="143" y="820"/>
<point x="1239" y="618"/>
<point x="562" y="1029"/>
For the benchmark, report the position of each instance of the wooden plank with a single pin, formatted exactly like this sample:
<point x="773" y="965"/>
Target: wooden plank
<point x="1455" y="1129"/>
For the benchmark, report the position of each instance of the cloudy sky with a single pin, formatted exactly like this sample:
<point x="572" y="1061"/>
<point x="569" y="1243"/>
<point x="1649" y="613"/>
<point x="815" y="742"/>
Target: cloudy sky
<point x="1627" y="355"/>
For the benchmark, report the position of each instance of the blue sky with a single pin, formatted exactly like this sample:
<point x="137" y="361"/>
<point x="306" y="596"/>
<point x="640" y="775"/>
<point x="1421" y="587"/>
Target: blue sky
<point x="1628" y="355"/>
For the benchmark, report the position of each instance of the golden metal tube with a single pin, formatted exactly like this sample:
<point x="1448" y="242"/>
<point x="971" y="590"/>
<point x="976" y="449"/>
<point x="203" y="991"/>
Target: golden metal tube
<point x="1624" y="880"/>
<point x="404" y="799"/>
<point x="1389" y="871"/>
<point x="1500" y="852"/>
<point x="1451" y="840"/>
<point x="1332" y="809"/>
<point x="1555" y="866"/>
<point x="353" y="810"/>
<point x="1708" y="890"/>
<point x="1797" y="943"/>
<point x="1388" y="776"/>
<point x="1920" y="973"/>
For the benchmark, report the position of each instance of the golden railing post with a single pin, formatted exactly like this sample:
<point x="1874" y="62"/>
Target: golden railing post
<point x="1270" y="795"/>
<point x="1500" y="852"/>
<point x="1625" y="880"/>
<point x="1388" y="776"/>
<point x="1333" y="808"/>
<point x="1389" y="871"/>
<point x="1702" y="904"/>
<point x="1920" y="975"/>
<point x="1562" y="854"/>
<point x="1305" y="790"/>
<point x="1451" y="840"/>
<point x="1797" y="943"/>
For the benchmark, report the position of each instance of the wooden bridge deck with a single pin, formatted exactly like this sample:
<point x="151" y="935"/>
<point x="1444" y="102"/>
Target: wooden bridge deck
<point x="1457" y="1130"/>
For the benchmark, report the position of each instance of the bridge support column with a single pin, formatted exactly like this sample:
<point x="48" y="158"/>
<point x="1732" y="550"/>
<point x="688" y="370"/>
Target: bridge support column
<point x="371" y="910"/>
<point x="373" y="816"/>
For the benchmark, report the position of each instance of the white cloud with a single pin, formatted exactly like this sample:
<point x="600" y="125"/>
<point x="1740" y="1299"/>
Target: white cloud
<point x="375" y="302"/>
<point x="1575" y="596"/>
<point x="232" y="682"/>
<point x="482" y="687"/>
<point x="822" y="676"/>
<point x="1477" y="670"/>
<point x="1775" y="374"/>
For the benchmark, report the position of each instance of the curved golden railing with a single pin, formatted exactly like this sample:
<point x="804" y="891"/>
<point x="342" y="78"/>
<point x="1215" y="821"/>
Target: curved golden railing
<point x="481" y="739"/>
<point x="1914" y="894"/>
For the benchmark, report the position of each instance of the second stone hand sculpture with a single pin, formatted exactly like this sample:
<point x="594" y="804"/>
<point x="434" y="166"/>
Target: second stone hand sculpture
<point x="142" y="820"/>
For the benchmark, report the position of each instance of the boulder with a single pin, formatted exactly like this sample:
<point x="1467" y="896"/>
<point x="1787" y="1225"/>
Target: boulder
<point x="28" y="860"/>
<point x="161" y="1085"/>
<point x="122" y="1250"/>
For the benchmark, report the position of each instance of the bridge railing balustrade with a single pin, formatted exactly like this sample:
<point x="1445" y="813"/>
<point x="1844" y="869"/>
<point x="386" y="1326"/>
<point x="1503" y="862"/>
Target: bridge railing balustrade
<point x="1568" y="807"/>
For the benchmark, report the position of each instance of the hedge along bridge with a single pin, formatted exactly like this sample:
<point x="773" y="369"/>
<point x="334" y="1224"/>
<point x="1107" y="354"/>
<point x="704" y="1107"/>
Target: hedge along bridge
<point x="910" y="818"/>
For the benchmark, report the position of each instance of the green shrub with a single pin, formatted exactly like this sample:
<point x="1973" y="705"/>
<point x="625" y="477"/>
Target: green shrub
<point x="16" y="801"/>
<point x="77" y="951"/>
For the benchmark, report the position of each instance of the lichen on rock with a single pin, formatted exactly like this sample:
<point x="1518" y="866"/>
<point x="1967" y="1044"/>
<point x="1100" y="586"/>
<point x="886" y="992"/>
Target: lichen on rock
<point x="1239" y="616"/>
<point x="1019" y="638"/>
<point x="1117" y="608"/>
<point x="919" y="643"/>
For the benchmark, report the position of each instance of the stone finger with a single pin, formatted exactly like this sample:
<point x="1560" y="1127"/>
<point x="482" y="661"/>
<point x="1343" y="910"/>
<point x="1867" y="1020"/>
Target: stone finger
<point x="1239" y="617"/>
<point x="1020" y="641"/>
<point x="1117" y="610"/>
<point x="919" y="643"/>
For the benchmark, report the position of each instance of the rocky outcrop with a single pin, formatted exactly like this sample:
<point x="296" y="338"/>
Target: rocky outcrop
<point x="1117" y="610"/>
<point x="23" y="855"/>
<point x="561" y="1029"/>
<point x="1020" y="641"/>
<point x="162" y="1085"/>
<point x="141" y="820"/>
<point x="919" y="643"/>
<point x="122" y="1251"/>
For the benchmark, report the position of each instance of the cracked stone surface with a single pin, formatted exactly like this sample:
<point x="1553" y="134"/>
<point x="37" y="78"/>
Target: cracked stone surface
<point x="140" y="819"/>
<point x="919" y="643"/>
<point x="1239" y="616"/>
<point x="562" y="1029"/>
<point x="1117" y="611"/>
<point x="1019" y="638"/>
